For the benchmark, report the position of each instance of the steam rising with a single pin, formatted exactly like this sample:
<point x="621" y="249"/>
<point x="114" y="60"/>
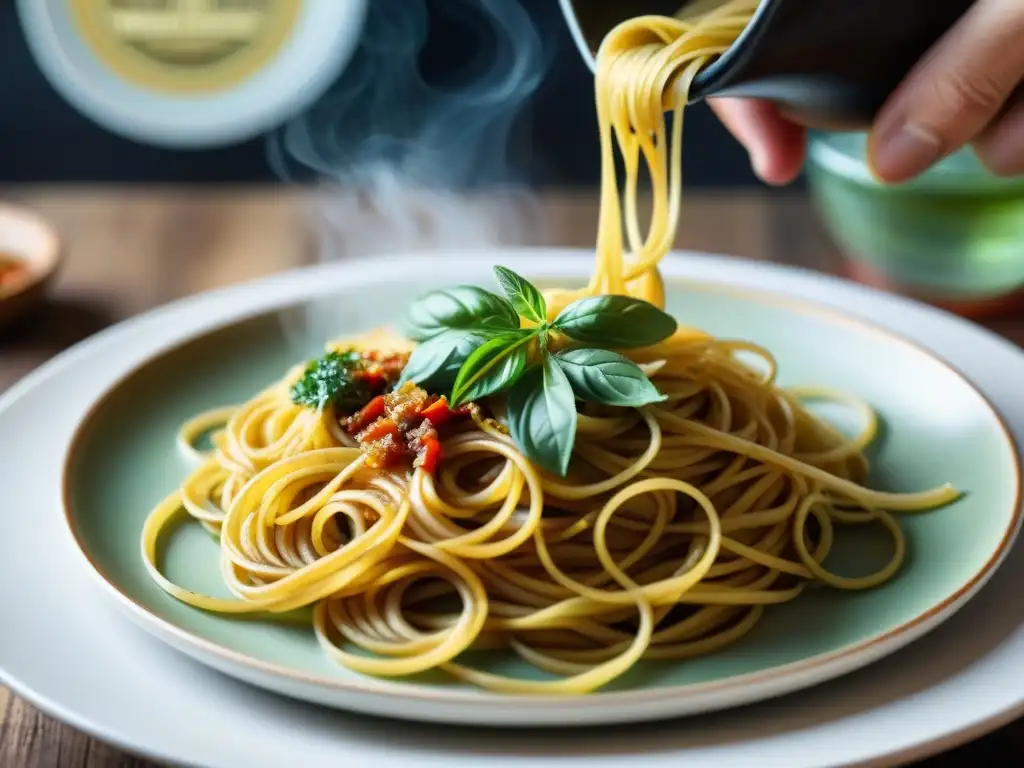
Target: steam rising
<point x="402" y="158"/>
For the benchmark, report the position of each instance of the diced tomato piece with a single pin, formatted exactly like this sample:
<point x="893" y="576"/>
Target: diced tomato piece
<point x="369" y="414"/>
<point x="402" y="424"/>
<point x="438" y="412"/>
<point x="429" y="456"/>
<point x="380" y="429"/>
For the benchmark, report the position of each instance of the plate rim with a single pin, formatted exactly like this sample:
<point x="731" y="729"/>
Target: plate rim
<point x="788" y="678"/>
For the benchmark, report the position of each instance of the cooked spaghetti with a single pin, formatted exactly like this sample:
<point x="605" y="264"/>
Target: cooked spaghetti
<point x="422" y="522"/>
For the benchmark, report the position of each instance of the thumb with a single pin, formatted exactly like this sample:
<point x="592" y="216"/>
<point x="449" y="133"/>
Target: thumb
<point x="953" y="93"/>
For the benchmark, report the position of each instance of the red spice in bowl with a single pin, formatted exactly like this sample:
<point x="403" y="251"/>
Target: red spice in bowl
<point x="30" y="256"/>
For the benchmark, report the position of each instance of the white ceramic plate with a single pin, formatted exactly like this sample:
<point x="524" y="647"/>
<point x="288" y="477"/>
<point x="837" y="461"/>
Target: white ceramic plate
<point x="119" y="468"/>
<point x="121" y="686"/>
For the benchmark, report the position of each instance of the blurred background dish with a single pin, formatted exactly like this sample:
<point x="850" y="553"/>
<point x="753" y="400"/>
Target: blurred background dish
<point x="187" y="74"/>
<point x="954" y="236"/>
<point x="29" y="257"/>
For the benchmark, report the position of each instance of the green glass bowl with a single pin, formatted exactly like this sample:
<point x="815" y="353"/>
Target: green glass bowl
<point x="953" y="235"/>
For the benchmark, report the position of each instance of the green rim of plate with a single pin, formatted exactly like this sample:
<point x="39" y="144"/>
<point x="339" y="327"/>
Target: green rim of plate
<point x="937" y="428"/>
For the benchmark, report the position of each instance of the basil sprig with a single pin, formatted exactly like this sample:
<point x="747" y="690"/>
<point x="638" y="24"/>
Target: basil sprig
<point x="473" y="346"/>
<point x="523" y="296"/>
<point x="493" y="366"/>
<point x="618" y="322"/>
<point x="600" y="376"/>
<point x="435" y="364"/>
<point x="463" y="308"/>
<point x="542" y="416"/>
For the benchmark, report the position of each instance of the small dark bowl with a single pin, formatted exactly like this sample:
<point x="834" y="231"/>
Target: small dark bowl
<point x="827" y="63"/>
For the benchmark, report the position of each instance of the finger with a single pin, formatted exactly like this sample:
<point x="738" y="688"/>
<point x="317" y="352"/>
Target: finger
<point x="1000" y="147"/>
<point x="953" y="93"/>
<point x="776" y="145"/>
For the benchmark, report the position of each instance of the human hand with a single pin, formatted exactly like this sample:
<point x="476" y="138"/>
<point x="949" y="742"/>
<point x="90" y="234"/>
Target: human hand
<point x="966" y="90"/>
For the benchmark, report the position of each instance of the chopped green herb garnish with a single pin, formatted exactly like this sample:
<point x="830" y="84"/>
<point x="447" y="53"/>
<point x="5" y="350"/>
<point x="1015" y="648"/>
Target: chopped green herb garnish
<point x="329" y="381"/>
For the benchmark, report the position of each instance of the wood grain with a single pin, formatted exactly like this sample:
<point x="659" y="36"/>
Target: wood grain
<point x="131" y="249"/>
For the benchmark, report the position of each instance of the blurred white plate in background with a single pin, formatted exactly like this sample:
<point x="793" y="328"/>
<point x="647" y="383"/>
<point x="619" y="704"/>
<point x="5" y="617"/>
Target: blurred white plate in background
<point x="185" y="77"/>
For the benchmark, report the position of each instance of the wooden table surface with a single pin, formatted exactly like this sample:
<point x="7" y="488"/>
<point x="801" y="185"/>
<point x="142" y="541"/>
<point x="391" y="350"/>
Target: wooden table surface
<point x="130" y="249"/>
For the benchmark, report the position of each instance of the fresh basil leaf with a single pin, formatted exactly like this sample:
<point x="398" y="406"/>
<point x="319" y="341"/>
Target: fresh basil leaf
<point x="525" y="298"/>
<point x="434" y="364"/>
<point x="542" y="416"/>
<point x="495" y="365"/>
<point x="607" y="377"/>
<point x="464" y="307"/>
<point x="615" y="321"/>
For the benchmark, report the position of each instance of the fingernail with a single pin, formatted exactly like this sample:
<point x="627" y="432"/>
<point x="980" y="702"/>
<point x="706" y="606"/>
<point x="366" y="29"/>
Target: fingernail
<point x="904" y="152"/>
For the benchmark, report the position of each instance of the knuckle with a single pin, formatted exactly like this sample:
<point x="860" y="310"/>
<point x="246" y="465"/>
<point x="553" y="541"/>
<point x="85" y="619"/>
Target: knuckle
<point x="1003" y="156"/>
<point x="1005" y="171"/>
<point x="1000" y="167"/>
<point x="968" y="91"/>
